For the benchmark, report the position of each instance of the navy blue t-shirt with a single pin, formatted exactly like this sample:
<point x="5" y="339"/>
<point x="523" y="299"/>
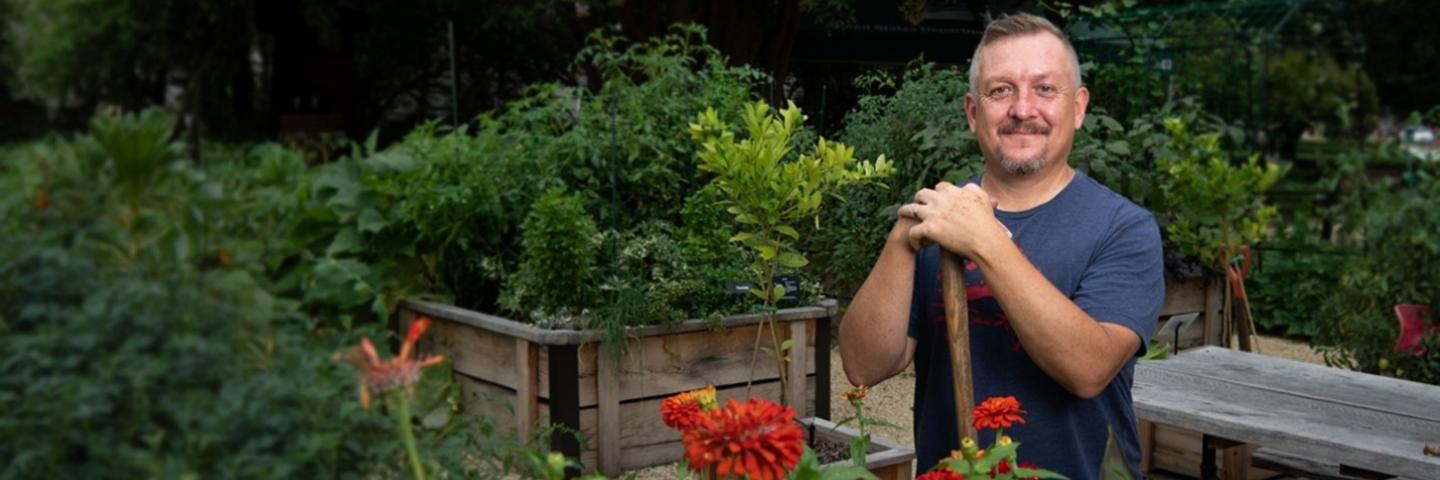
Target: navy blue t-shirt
<point x="1098" y="249"/>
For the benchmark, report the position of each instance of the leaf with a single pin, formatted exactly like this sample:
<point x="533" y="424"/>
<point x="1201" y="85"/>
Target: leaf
<point x="788" y="231"/>
<point x="848" y="472"/>
<point x="859" y="447"/>
<point x="742" y="237"/>
<point x="347" y="240"/>
<point x="370" y="221"/>
<point x="792" y="260"/>
<point x="1113" y="465"/>
<point x="766" y="252"/>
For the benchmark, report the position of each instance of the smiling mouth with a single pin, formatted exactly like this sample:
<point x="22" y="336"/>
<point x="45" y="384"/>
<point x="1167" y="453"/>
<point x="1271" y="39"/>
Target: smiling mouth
<point x="1024" y="129"/>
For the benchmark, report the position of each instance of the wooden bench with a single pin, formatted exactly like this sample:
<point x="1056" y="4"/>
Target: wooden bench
<point x="1367" y="425"/>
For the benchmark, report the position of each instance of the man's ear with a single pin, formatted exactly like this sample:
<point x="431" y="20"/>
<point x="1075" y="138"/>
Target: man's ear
<point x="970" y="111"/>
<point x="1082" y="100"/>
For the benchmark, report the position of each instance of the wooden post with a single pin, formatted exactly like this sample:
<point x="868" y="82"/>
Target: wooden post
<point x="957" y="324"/>
<point x="822" y="367"/>
<point x="795" y="368"/>
<point x="527" y="387"/>
<point x="608" y="409"/>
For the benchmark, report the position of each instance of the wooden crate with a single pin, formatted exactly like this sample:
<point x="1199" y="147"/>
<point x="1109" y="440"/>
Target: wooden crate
<point x="1177" y="450"/>
<point x="887" y="460"/>
<point x="1203" y="295"/>
<point x="519" y="374"/>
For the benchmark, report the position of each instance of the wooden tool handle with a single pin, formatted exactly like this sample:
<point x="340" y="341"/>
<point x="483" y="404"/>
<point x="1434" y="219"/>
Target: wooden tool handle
<point x="957" y="323"/>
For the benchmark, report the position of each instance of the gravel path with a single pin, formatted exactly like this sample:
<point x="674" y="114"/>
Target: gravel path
<point x="892" y="399"/>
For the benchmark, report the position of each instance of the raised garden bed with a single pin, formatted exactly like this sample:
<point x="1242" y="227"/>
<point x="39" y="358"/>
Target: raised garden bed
<point x="887" y="460"/>
<point x="519" y="374"/>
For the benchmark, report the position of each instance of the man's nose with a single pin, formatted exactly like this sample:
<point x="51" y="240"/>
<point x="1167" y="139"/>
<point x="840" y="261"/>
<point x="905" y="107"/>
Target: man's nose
<point x="1024" y="105"/>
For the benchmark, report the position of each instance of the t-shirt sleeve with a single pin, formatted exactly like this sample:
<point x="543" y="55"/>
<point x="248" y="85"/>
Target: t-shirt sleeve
<point x="1125" y="283"/>
<point x="922" y="285"/>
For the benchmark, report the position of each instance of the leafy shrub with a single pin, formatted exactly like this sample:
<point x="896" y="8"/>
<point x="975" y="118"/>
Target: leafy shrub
<point x="140" y="338"/>
<point x="921" y="127"/>
<point x="558" y="269"/>
<point x="1394" y="262"/>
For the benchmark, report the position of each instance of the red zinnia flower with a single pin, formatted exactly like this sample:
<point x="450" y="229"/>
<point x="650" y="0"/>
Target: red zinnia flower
<point x="378" y="376"/>
<point x="940" y="475"/>
<point x="997" y="412"/>
<point x="757" y="439"/>
<point x="682" y="411"/>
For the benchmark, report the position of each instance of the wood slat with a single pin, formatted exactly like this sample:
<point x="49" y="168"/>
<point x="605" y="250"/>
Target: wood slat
<point x="608" y="411"/>
<point x="527" y="363"/>
<point x="1373" y="392"/>
<point x="1350" y="435"/>
<point x="644" y="439"/>
<point x="666" y="365"/>
<point x="798" y="365"/>
<point x="1185" y="296"/>
<point x="511" y="328"/>
<point x="651" y="366"/>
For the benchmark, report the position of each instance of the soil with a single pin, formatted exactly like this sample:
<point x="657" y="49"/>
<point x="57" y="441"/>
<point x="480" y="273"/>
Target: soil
<point x="893" y="399"/>
<point x="829" y="451"/>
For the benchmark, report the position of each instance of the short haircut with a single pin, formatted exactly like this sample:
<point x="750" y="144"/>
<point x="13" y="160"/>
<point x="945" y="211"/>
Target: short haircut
<point x="1019" y="24"/>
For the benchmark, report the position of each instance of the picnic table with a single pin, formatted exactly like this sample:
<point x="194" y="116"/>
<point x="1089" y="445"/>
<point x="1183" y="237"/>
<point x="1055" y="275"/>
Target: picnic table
<point x="1367" y="424"/>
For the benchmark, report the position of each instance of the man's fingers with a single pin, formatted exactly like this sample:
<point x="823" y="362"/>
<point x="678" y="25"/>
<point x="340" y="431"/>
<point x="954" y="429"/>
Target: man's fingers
<point x="925" y="195"/>
<point x="917" y="236"/>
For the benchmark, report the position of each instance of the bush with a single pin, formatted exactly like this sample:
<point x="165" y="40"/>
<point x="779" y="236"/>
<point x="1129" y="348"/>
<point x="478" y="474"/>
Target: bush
<point x="921" y="127"/>
<point x="141" y="338"/>
<point x="1394" y="262"/>
<point x="554" y="281"/>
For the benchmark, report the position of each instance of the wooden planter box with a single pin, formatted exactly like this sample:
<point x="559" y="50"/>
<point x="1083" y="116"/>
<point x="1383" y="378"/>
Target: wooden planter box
<point x="887" y="460"/>
<point x="519" y="374"/>
<point x="1203" y="295"/>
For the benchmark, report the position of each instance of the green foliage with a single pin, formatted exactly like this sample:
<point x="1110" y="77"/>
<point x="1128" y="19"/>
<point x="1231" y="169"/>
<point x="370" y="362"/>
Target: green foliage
<point x="558" y="269"/>
<point x="767" y="192"/>
<point x="1317" y="92"/>
<point x="1393" y="262"/>
<point x="147" y="339"/>
<point x="916" y="120"/>
<point x="1212" y="206"/>
<point x="625" y="146"/>
<point x="1295" y="274"/>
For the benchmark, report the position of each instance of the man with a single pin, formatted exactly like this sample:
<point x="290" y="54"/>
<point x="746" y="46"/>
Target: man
<point x="1064" y="277"/>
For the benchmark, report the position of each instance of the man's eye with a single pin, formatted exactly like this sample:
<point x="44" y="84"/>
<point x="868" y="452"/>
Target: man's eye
<point x="1000" y="91"/>
<point x="1046" y="89"/>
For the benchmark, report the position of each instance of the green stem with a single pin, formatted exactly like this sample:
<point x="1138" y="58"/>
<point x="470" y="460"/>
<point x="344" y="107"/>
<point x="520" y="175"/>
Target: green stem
<point x="402" y="412"/>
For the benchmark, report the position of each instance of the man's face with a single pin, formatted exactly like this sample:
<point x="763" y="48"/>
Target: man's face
<point x="1026" y="107"/>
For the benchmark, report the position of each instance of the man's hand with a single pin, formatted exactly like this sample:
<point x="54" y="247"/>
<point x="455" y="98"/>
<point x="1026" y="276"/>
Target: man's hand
<point x="961" y="219"/>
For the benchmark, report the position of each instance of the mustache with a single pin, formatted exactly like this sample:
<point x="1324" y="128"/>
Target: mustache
<point x="1025" y="127"/>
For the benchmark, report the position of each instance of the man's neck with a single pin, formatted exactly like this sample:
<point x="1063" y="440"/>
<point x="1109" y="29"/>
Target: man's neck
<point x="1018" y="193"/>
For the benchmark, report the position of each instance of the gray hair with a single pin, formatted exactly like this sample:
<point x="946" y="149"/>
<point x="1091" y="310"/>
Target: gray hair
<point x="1018" y="24"/>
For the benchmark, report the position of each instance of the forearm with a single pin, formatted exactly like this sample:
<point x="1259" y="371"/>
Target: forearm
<point x="874" y="333"/>
<point x="1075" y="350"/>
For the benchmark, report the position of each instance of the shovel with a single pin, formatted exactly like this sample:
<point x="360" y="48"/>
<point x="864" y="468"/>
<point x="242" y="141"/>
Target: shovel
<point x="957" y="324"/>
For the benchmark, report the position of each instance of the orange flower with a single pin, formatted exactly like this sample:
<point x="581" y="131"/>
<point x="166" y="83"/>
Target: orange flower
<point x="682" y="411"/>
<point x="857" y="394"/>
<point x="757" y="439"/>
<point x="997" y="412"/>
<point x="940" y="475"/>
<point x="378" y="376"/>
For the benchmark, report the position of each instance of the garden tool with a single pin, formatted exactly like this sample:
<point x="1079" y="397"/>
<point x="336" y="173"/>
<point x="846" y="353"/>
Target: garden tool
<point x="957" y="325"/>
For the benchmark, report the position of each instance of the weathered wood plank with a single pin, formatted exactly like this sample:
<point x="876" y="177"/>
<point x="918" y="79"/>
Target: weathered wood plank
<point x="1350" y="435"/>
<point x="527" y="363"/>
<point x="1185" y="296"/>
<point x="798" y="365"/>
<point x="825" y="308"/>
<point x="1373" y="392"/>
<point x="608" y="411"/>
<point x="665" y="365"/>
